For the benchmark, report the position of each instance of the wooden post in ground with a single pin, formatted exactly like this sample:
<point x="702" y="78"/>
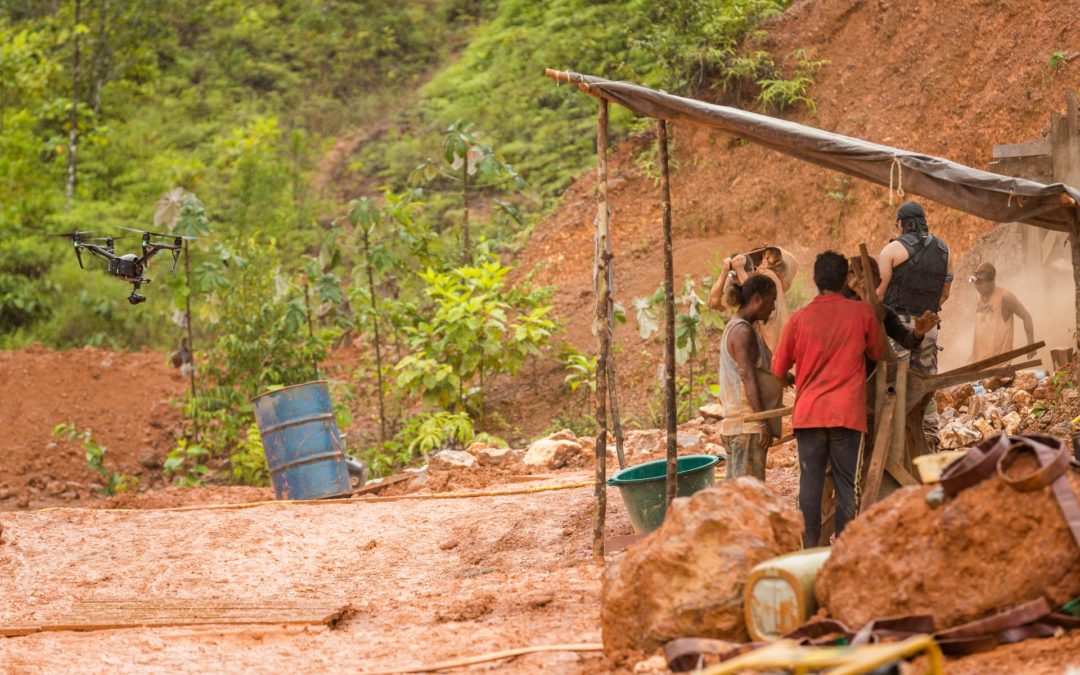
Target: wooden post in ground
<point x="613" y="392"/>
<point x="603" y="330"/>
<point x="1065" y="156"/>
<point x="669" y="317"/>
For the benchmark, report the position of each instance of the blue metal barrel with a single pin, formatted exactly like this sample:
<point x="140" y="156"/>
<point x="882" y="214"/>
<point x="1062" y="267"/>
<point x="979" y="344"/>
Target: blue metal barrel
<point x="303" y="446"/>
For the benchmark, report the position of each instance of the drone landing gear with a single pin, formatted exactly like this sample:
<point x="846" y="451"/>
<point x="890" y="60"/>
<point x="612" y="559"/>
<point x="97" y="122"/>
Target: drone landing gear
<point x="135" y="298"/>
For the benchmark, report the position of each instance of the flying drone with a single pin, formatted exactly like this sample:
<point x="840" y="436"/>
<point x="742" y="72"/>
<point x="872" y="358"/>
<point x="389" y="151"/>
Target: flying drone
<point x="127" y="267"/>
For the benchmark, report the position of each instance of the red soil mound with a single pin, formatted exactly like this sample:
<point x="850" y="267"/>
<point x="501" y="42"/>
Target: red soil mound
<point x="988" y="548"/>
<point x="122" y="397"/>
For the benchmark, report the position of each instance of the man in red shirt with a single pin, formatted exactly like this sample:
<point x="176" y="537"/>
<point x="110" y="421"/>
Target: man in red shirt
<point x="826" y="341"/>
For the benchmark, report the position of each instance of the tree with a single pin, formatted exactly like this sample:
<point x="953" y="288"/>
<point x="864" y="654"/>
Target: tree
<point x="476" y="167"/>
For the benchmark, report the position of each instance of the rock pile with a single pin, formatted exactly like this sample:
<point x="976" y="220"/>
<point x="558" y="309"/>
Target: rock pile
<point x="686" y="579"/>
<point x="968" y="414"/>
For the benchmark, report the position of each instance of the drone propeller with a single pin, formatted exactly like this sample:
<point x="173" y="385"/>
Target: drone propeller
<point x="119" y="236"/>
<point x="77" y="234"/>
<point x="158" y="234"/>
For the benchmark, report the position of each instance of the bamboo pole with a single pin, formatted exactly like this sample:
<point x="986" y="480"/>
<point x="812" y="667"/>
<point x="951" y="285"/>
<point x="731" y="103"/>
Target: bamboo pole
<point x="603" y="330"/>
<point x="669" y="317"/>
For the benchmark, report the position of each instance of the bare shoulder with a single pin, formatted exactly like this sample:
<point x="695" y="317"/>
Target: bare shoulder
<point x="893" y="250"/>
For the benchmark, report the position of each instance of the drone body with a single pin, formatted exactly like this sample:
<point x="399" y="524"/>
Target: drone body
<point x="128" y="267"/>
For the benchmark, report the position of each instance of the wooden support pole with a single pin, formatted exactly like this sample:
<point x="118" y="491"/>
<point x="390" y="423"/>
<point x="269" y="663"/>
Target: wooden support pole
<point x="613" y="392"/>
<point x="603" y="331"/>
<point x="1065" y="159"/>
<point x="669" y="317"/>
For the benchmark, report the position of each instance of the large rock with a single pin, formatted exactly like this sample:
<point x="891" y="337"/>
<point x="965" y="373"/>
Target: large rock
<point x="1026" y="380"/>
<point x="449" y="460"/>
<point x="990" y="547"/>
<point x="953" y="397"/>
<point x="489" y="455"/>
<point x="686" y="579"/>
<point x="955" y="435"/>
<point x="552" y="453"/>
<point x="642" y="441"/>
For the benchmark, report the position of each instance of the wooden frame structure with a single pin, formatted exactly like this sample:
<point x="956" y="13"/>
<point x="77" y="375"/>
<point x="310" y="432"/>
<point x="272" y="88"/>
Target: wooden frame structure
<point x="898" y="408"/>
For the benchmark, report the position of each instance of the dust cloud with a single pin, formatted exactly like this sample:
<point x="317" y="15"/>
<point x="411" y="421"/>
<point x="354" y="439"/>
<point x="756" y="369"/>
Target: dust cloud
<point x="1046" y="290"/>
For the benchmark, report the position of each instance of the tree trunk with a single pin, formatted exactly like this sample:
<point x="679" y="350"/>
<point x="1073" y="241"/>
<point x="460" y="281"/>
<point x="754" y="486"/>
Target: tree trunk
<point x="69" y="193"/>
<point x="310" y="324"/>
<point x="602" y="326"/>
<point x="378" y="341"/>
<point x="466" y="245"/>
<point x="669" y="317"/>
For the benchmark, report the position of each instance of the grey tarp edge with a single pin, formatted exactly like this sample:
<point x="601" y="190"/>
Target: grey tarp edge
<point x="980" y="193"/>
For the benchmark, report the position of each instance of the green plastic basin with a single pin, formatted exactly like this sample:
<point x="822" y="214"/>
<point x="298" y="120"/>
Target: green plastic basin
<point x="643" y="487"/>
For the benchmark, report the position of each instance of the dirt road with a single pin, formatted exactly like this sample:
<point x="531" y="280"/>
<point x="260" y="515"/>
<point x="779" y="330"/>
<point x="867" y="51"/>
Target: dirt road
<point x="426" y="580"/>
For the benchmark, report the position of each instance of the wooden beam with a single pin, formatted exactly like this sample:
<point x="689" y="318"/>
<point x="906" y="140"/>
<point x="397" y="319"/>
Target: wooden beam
<point x="670" y="407"/>
<point x="94" y="615"/>
<point x="1004" y="357"/>
<point x="899" y="472"/>
<point x="879" y="454"/>
<point x="1026" y="149"/>
<point x="603" y="332"/>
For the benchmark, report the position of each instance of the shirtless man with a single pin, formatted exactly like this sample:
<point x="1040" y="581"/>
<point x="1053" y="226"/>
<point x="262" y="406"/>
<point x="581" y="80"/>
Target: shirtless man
<point x="916" y="277"/>
<point x="994" y="316"/>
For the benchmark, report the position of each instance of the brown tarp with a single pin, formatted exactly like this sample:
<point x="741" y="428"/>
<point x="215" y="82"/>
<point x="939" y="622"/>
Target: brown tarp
<point x="980" y="193"/>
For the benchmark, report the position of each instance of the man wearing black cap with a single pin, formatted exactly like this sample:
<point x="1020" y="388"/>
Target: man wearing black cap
<point x="916" y="276"/>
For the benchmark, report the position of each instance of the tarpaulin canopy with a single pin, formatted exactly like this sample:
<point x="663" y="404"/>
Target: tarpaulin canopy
<point x="980" y="193"/>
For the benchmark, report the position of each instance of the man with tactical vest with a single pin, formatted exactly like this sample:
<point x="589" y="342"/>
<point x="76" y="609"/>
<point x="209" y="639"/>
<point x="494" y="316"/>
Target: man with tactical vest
<point x="916" y="276"/>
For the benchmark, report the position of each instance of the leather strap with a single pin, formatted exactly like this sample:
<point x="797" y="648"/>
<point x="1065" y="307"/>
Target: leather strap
<point x="819" y="632"/>
<point x="1004" y="620"/>
<point x="977" y="465"/>
<point x="687" y="654"/>
<point x="1061" y="487"/>
<point x="1045" y="475"/>
<point x="893" y="627"/>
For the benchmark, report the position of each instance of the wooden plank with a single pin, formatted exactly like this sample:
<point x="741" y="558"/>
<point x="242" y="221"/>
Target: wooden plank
<point x="1026" y="149"/>
<point x="879" y="455"/>
<point x="1038" y="168"/>
<point x="92" y="615"/>
<point x="764" y="415"/>
<point x="993" y="360"/>
<point x="897" y="471"/>
<point x="384" y="483"/>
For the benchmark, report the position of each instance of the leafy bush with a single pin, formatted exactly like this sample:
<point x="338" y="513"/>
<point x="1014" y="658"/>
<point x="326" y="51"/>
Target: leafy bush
<point x="472" y="329"/>
<point x="187" y="463"/>
<point x="115" y="482"/>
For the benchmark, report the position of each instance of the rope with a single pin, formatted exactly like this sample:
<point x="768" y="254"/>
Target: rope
<point x="899" y="169"/>
<point x="491" y="656"/>
<point x="1019" y="199"/>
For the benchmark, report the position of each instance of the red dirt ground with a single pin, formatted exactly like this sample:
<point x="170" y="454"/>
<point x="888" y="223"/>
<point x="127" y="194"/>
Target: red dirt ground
<point x="122" y="397"/>
<point x="434" y="579"/>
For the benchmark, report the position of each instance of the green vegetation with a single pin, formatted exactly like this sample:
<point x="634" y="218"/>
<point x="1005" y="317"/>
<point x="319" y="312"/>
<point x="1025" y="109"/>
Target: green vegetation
<point x="223" y="120"/>
<point x="114" y="482"/>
